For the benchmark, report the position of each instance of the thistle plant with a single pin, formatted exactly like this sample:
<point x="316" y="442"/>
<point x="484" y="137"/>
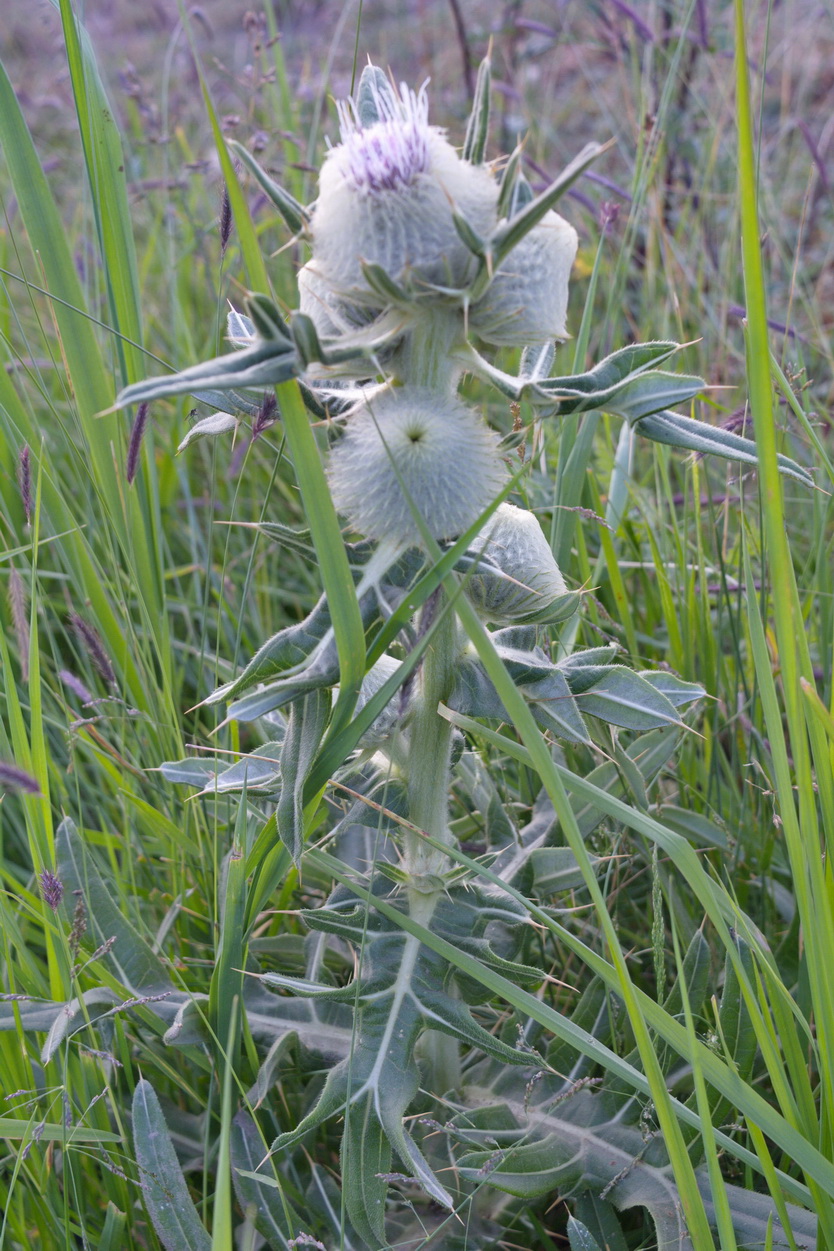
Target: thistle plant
<point x="423" y="259"/>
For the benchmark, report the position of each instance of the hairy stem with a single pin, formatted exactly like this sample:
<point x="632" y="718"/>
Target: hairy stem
<point x="425" y="358"/>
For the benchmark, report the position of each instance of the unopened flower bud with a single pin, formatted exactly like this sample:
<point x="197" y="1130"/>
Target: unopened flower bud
<point x="321" y="302"/>
<point x="414" y="450"/>
<point x="515" y="579"/>
<point x="527" y="300"/>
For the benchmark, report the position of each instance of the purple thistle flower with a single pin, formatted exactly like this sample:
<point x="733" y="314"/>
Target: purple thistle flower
<point x="24" y="481"/>
<point x="389" y="155"/>
<point x="137" y="434"/>
<point x="52" y="889"/>
<point x="91" y="640"/>
<point x="14" y="778"/>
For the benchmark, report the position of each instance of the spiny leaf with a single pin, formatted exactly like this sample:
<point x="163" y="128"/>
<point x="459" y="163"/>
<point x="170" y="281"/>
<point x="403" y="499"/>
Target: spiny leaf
<point x="400" y="991"/>
<point x="294" y="214"/>
<point x="622" y="697"/>
<point x="264" y="364"/>
<point x="512" y="232"/>
<point x="477" y="128"/>
<point x="697" y="436"/>
<point x="374" y="89"/>
<point x="128" y="954"/>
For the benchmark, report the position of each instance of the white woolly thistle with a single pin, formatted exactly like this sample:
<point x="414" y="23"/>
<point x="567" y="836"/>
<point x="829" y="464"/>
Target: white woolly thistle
<point x="387" y="194"/>
<point x="527" y="300"/>
<point x="414" y="451"/>
<point x="516" y="578"/>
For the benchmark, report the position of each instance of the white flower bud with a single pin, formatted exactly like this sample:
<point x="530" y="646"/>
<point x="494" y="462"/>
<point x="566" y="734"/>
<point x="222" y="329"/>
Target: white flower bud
<point x="414" y="449"/>
<point x="330" y="315"/>
<point x="527" y="300"/>
<point x="387" y="194"/>
<point x="516" y="579"/>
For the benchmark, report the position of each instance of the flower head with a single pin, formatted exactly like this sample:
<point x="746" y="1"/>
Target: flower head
<point x="414" y="451"/>
<point x="388" y="192"/>
<point x="389" y="155"/>
<point x="516" y="579"/>
<point x="527" y="300"/>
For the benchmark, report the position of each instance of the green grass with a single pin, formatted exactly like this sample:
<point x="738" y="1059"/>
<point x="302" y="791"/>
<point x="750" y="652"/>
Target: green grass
<point x="723" y="575"/>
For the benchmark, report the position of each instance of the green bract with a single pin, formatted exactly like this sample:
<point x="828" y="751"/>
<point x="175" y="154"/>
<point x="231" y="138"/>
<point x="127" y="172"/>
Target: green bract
<point x="527" y="300"/>
<point x="516" y="579"/>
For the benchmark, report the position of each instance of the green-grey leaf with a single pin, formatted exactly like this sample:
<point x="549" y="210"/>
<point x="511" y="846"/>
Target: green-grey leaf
<point x="374" y="89"/>
<point x="580" y="1236"/>
<point x="271" y="1210"/>
<point x="258" y="770"/>
<point x="578" y="392"/>
<point x="508" y="182"/>
<point x="129" y="956"/>
<point x="230" y="402"/>
<point x="305" y="730"/>
<point x="555" y="869"/>
<point x="697" y="436"/>
<point x="167" y="1200"/>
<point x="676" y="690"/>
<point x="513" y="231"/>
<point x="267" y="320"/>
<point x="264" y="364"/>
<point x="74" y="1016"/>
<point x="694" y="826"/>
<point x="625" y="698"/>
<point x="195" y="771"/>
<point x="294" y="214"/>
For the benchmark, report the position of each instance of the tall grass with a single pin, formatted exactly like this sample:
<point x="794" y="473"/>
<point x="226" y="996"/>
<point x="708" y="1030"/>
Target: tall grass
<point x="722" y="576"/>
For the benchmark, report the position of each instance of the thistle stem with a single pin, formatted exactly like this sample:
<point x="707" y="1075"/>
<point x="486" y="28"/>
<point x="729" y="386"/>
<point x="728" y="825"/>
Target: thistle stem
<point x="425" y="358"/>
<point x="428" y="805"/>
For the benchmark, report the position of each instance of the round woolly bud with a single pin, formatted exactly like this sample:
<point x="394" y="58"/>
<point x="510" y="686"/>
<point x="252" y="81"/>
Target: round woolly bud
<point x="527" y="300"/>
<point x="387" y="193"/>
<point x="516" y="579"/>
<point x="331" y="315"/>
<point x="414" y="449"/>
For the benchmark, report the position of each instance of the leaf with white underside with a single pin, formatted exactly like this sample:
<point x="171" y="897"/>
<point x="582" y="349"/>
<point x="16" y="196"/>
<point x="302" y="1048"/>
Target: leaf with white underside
<point x="209" y="427"/>
<point x="74" y="1016"/>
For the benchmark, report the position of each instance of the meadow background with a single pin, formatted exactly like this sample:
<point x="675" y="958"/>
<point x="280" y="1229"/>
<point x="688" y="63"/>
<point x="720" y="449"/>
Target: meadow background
<point x="124" y="604"/>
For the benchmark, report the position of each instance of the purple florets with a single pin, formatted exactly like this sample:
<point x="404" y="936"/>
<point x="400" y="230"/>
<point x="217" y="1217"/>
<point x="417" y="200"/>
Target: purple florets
<point x="388" y="155"/>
